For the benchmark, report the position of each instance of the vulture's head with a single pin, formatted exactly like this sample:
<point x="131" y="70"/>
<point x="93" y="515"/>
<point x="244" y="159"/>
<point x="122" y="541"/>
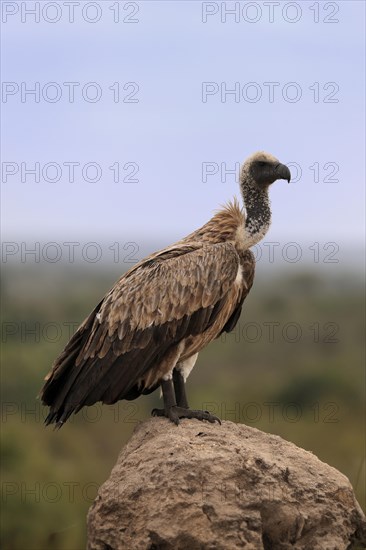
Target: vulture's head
<point x="261" y="169"/>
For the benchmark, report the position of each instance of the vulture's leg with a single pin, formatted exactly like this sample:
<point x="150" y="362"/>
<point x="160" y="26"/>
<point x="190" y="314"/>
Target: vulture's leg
<point x="169" y="400"/>
<point x="180" y="389"/>
<point x="174" y="412"/>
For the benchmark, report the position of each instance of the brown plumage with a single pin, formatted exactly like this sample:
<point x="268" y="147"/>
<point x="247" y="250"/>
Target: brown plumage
<point x="150" y="326"/>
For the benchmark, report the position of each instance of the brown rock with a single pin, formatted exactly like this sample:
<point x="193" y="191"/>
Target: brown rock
<point x="201" y="486"/>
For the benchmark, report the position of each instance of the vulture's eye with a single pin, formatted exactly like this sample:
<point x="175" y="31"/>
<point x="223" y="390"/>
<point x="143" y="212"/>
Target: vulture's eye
<point x="262" y="164"/>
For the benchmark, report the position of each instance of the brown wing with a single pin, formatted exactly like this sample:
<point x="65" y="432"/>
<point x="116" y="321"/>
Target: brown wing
<point x="247" y="261"/>
<point x="174" y="294"/>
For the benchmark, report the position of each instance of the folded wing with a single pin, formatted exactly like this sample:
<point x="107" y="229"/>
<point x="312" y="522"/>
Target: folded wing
<point x="168" y="297"/>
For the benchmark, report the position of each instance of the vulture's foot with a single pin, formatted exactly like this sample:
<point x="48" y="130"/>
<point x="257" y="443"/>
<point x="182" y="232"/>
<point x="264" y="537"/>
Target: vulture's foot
<point x="175" y="413"/>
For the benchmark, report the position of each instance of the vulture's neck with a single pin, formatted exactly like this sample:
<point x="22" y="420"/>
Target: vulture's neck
<point x="258" y="218"/>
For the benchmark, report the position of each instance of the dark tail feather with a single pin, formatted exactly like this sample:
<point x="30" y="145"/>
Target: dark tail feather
<point x="64" y="372"/>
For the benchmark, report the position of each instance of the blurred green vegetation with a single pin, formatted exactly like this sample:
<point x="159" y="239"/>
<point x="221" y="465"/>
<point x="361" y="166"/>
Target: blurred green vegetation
<point x="294" y="366"/>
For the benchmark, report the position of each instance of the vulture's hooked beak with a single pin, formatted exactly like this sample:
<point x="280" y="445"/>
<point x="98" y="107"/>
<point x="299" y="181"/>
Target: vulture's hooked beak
<point x="282" y="172"/>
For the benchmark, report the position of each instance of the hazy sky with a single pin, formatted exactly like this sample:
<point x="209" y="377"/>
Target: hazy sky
<point x="148" y="92"/>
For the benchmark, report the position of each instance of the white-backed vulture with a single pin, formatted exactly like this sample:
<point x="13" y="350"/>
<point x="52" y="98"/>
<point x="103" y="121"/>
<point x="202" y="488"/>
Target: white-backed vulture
<point x="148" y="329"/>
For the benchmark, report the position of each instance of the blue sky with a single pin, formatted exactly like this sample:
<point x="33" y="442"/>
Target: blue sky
<point x="169" y="52"/>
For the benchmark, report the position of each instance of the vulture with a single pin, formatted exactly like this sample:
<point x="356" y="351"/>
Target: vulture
<point x="147" y="331"/>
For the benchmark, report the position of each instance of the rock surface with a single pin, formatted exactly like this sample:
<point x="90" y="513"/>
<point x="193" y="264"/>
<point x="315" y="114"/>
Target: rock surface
<point x="210" y="487"/>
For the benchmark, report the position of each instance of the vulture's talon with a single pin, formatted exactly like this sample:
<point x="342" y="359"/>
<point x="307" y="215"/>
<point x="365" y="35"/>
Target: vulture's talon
<point x="213" y="417"/>
<point x="175" y="413"/>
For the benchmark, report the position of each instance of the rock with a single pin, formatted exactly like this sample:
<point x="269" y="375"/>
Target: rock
<point x="202" y="486"/>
